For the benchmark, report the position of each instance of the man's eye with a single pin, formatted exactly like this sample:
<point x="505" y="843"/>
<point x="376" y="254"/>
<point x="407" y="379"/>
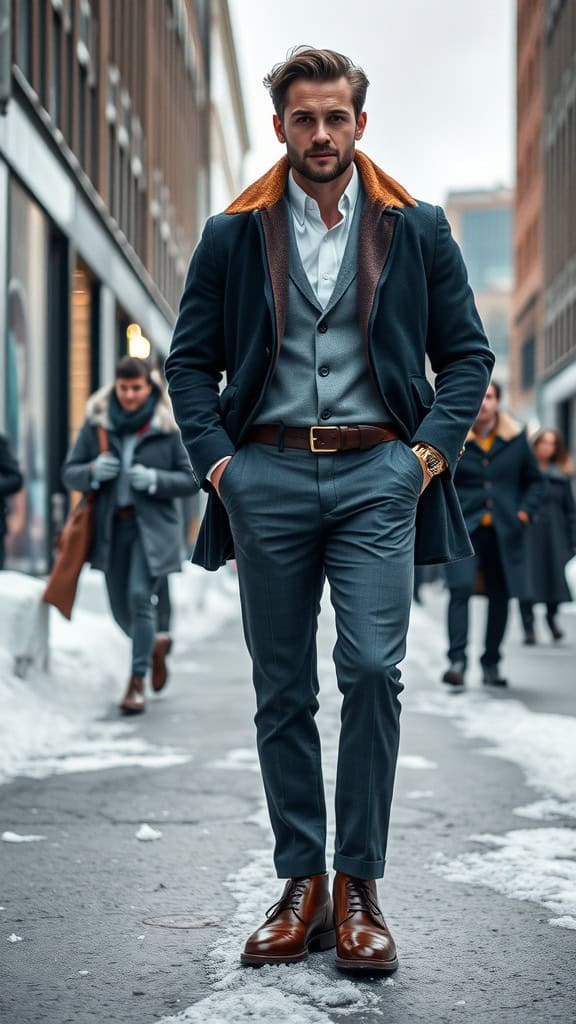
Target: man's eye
<point x="302" y="119"/>
<point x="336" y="117"/>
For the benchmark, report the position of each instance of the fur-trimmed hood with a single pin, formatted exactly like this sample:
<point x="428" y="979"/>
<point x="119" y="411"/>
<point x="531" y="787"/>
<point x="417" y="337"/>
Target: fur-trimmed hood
<point x="97" y="409"/>
<point x="268" y="190"/>
<point x="507" y="428"/>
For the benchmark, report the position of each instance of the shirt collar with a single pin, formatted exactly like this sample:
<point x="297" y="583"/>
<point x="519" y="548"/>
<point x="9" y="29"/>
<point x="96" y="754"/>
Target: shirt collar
<point x="297" y="197"/>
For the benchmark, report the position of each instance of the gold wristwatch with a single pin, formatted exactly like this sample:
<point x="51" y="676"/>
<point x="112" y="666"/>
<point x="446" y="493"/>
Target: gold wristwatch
<point x="435" y="462"/>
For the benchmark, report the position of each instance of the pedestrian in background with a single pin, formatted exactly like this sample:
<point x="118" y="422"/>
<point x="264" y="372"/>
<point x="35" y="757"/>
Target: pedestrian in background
<point x="500" y="488"/>
<point x="10" y="483"/>
<point x="552" y="536"/>
<point x="137" y="527"/>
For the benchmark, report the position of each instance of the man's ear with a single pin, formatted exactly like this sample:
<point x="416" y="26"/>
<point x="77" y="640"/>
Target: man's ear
<point x="360" y="125"/>
<point x="278" y="128"/>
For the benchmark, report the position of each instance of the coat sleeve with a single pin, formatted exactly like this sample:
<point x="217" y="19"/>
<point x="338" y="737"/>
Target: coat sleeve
<point x="196" y="361"/>
<point x="11" y="479"/>
<point x="457" y="347"/>
<point x="569" y="508"/>
<point x="180" y="480"/>
<point x="76" y="469"/>
<point x="532" y="481"/>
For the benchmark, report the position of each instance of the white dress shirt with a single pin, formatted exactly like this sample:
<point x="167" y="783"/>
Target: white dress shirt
<point x="321" y="249"/>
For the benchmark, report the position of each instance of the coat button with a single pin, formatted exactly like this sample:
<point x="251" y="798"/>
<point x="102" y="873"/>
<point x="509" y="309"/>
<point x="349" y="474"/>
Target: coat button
<point x="324" y="371"/>
<point x="326" y="414"/>
<point x="487" y="484"/>
<point x="489" y="503"/>
<point x="322" y="327"/>
<point x="267" y="351"/>
<point x="485" y="462"/>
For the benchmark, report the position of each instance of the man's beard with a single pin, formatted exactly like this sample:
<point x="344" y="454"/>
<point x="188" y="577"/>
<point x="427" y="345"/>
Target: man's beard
<point x="301" y="164"/>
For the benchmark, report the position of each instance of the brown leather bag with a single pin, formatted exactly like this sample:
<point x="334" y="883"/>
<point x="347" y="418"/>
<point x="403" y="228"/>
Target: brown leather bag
<point x="74" y="546"/>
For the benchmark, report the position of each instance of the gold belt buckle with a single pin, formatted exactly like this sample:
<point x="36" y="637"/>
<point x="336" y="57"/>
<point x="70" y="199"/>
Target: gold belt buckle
<point x="313" y="442"/>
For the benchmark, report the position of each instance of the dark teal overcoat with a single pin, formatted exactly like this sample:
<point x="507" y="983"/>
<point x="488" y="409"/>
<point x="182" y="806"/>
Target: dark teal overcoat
<point x="413" y="300"/>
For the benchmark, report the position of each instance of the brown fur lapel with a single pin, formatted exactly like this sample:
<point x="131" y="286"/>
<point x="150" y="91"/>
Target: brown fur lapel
<point x="507" y="428"/>
<point x="268" y="190"/>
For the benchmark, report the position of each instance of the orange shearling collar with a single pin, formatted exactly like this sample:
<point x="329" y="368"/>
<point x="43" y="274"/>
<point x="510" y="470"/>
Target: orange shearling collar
<point x="268" y="190"/>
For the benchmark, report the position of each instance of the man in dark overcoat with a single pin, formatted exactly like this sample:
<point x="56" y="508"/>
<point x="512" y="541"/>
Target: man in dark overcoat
<point x="500" y="488"/>
<point x="319" y="292"/>
<point x="10" y="483"/>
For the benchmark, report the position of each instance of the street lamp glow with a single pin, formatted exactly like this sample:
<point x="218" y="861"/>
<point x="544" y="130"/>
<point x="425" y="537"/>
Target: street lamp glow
<point x="138" y="346"/>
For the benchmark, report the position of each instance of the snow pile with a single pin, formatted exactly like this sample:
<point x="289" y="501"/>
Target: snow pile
<point x="147" y="834"/>
<point x="15" y="837"/>
<point x="24" y="622"/>
<point x="526" y="864"/>
<point x="54" y="722"/>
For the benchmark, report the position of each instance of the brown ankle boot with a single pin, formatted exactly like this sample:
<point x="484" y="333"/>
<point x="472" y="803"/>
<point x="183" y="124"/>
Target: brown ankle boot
<point x="363" y="939"/>
<point x="162" y="647"/>
<point x="299" y="922"/>
<point x="133" y="703"/>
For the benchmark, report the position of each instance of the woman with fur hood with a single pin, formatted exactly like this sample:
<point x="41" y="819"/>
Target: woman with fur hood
<point x="137" y="536"/>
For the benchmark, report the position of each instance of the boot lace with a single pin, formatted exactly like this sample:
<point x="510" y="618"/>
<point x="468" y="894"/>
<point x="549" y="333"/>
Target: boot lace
<point x="290" y="900"/>
<point x="360" y="899"/>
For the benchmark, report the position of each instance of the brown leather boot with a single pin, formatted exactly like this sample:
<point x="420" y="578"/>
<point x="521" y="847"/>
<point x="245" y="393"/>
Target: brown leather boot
<point x="133" y="703"/>
<point x="363" y="940"/>
<point x="300" y="922"/>
<point x="162" y="647"/>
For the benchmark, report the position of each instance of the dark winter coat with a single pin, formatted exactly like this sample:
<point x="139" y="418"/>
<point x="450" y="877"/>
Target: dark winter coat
<point x="413" y="299"/>
<point x="10" y="479"/>
<point x="552" y="540"/>
<point x="157" y="516"/>
<point x="502" y="481"/>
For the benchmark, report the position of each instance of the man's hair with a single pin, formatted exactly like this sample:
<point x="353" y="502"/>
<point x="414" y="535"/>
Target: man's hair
<point x="497" y="388"/>
<point x="128" y="368"/>
<point x="319" y="66"/>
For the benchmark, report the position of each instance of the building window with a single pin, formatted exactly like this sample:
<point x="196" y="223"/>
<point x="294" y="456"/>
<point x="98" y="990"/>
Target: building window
<point x="56" y="69"/>
<point x="528" y="363"/>
<point x="24" y="52"/>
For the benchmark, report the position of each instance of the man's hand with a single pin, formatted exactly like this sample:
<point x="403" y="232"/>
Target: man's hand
<point x="426" y="474"/>
<point x="217" y="475"/>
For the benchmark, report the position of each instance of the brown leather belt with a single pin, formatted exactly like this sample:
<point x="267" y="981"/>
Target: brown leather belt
<point x="322" y="440"/>
<point x="124" y="512"/>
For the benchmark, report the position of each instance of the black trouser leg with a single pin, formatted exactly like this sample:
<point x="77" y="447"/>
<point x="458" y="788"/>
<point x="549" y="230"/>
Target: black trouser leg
<point x="486" y="544"/>
<point x="527" y="615"/>
<point x="163" y="607"/>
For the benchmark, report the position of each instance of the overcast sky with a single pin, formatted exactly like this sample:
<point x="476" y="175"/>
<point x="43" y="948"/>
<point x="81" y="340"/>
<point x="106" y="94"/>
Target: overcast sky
<point x="441" y="98"/>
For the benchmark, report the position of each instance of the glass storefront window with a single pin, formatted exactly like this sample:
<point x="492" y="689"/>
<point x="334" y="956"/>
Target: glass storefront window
<point x="26" y="376"/>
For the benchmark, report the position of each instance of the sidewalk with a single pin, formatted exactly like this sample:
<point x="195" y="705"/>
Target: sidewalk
<point x="482" y="858"/>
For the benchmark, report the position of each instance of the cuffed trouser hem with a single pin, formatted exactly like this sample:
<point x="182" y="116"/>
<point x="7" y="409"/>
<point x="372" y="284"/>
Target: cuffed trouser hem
<point x="300" y="869"/>
<point x="365" y="869"/>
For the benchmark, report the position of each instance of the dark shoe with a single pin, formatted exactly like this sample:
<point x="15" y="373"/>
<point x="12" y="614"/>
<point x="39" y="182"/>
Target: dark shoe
<point x="529" y="638"/>
<point x="133" y="703"/>
<point x="491" y="676"/>
<point x="301" y="922"/>
<point x="454" y="676"/>
<point x="162" y="647"/>
<point x="363" y="939"/>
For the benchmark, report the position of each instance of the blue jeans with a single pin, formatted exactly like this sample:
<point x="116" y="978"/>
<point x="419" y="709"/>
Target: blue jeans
<point x="130" y="588"/>
<point x="298" y="518"/>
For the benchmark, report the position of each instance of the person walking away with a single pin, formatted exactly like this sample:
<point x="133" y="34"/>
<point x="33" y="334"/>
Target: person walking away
<point x="319" y="292"/>
<point x="11" y="482"/>
<point x="500" y="489"/>
<point x="137" y="538"/>
<point x="552" y="536"/>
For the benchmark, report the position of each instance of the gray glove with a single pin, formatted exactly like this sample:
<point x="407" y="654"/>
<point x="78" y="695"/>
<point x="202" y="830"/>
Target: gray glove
<point x="142" y="478"/>
<point x="106" y="467"/>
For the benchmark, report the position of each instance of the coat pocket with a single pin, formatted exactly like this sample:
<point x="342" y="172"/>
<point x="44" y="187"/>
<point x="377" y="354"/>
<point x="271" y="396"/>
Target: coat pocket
<point x="423" y="391"/>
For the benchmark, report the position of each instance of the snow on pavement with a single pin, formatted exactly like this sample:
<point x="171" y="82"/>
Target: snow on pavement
<point x="525" y="864"/>
<point x="54" y="722"/>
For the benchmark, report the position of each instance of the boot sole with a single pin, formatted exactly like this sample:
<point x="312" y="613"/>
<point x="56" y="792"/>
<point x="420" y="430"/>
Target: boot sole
<point x="318" y="943"/>
<point x="131" y="711"/>
<point x="368" y="966"/>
